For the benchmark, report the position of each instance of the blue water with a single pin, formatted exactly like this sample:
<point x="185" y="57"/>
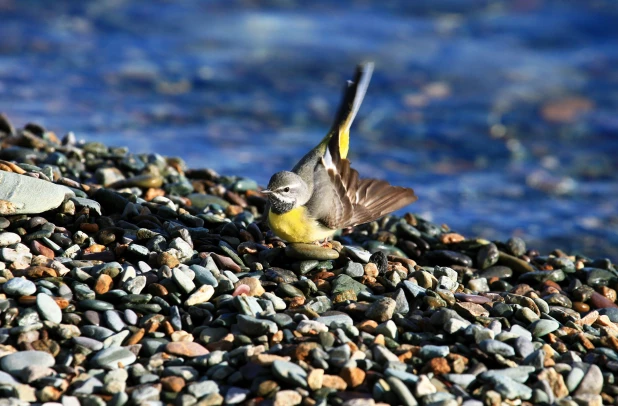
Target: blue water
<point x="500" y="114"/>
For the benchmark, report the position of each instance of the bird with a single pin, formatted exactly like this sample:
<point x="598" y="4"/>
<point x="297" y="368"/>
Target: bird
<point x="323" y="193"/>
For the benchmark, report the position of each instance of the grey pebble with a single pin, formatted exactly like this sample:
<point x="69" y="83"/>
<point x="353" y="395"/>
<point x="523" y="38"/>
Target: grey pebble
<point x="110" y="358"/>
<point x="19" y="287"/>
<point x="15" y="362"/>
<point x="48" y="308"/>
<point x="497" y="347"/>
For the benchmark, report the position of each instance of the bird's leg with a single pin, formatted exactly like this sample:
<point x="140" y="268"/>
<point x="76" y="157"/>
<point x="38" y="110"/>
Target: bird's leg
<point x="324" y="243"/>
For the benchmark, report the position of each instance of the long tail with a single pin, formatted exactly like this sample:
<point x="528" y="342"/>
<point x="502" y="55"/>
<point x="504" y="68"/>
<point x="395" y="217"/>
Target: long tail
<point x="338" y="138"/>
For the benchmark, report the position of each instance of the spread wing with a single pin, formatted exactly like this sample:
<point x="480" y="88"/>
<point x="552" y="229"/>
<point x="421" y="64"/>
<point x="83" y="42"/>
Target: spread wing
<point x="359" y="201"/>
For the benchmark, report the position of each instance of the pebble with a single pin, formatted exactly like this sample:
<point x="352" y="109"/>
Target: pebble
<point x="497" y="348"/>
<point x="113" y="358"/>
<point x="172" y="290"/>
<point x="381" y="310"/>
<point x="310" y="251"/>
<point x="48" y="308"/>
<point x="15" y="362"/>
<point x="19" y="287"/>
<point x="24" y="195"/>
<point x="290" y="373"/>
<point x="541" y="328"/>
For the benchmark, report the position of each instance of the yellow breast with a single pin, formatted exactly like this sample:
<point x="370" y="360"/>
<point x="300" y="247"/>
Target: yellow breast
<point x="297" y="226"/>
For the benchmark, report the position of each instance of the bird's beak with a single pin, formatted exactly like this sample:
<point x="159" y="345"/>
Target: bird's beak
<point x="267" y="192"/>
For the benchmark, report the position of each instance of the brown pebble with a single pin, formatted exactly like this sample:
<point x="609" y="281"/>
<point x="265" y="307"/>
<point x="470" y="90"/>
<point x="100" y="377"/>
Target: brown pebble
<point x="151" y="193"/>
<point x="95" y="248"/>
<point x="451" y="238"/>
<point x="608" y="293"/>
<point x="233" y="210"/>
<point x="165" y="258"/>
<point x="599" y="301"/>
<point x="323" y="285"/>
<point x="334" y="382"/>
<point x="167" y="327"/>
<point x="36" y="272"/>
<point x="371" y="269"/>
<point x="323" y="275"/>
<point x="186" y="349"/>
<point x="173" y="383"/>
<point x="470" y="310"/>
<point x="588" y="319"/>
<point x="368" y="326"/>
<point x="254" y="284"/>
<point x="41" y="249"/>
<point x="49" y="394"/>
<point x="581" y="307"/>
<point x="225" y="263"/>
<point x="103" y="284"/>
<point x="135" y="337"/>
<point x="157" y="289"/>
<point x="152" y="326"/>
<point x="401" y="260"/>
<point x="438" y="366"/>
<point x="303" y="350"/>
<point x="315" y="378"/>
<point x="353" y="377"/>
<point x="89" y="227"/>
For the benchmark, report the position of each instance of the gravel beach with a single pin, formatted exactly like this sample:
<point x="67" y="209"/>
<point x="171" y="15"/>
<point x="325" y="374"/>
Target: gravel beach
<point x="128" y="278"/>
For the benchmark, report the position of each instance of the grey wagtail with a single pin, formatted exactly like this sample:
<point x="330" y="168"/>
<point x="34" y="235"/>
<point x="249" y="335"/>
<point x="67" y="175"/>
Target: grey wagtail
<point x="323" y="194"/>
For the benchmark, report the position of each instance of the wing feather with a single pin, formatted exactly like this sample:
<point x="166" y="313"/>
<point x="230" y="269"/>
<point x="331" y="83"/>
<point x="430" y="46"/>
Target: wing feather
<point x="362" y="200"/>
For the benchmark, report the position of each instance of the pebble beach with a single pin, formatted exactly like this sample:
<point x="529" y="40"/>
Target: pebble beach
<point x="130" y="279"/>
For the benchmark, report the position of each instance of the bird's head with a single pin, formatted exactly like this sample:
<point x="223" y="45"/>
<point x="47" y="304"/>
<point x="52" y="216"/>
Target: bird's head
<point x="286" y="191"/>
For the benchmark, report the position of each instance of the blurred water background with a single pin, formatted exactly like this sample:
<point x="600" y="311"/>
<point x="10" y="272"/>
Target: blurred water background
<point x="500" y="114"/>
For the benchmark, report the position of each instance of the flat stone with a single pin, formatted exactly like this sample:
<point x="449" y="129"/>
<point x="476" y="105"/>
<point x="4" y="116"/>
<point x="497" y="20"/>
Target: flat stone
<point x="497" y="347"/>
<point x="236" y="395"/>
<point x="288" y="398"/>
<point x="337" y="319"/>
<point x="89" y="343"/>
<point x="182" y="280"/>
<point x="433" y="351"/>
<point x="310" y="251"/>
<point x="204" y="276"/>
<point x="290" y="373"/>
<point x="255" y="286"/>
<point x="354" y="269"/>
<point x="7" y="379"/>
<point x="15" y="362"/>
<point x="511" y="389"/>
<point x="543" y="327"/>
<point x="19" y="287"/>
<point x="22" y="194"/>
<point x="114" y="321"/>
<point x="202" y="295"/>
<point x="8" y="238"/>
<point x="254" y="327"/>
<point x="48" y="308"/>
<point x="470" y="310"/>
<point x="113" y="358"/>
<point x="344" y="283"/>
<point x="357" y="253"/>
<point x="402" y="391"/>
<point x="592" y="383"/>
<point x="203" y="388"/>
<point x="186" y="349"/>
<point x="381" y="310"/>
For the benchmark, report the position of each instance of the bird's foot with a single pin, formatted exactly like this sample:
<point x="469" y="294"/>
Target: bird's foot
<point x="324" y="243"/>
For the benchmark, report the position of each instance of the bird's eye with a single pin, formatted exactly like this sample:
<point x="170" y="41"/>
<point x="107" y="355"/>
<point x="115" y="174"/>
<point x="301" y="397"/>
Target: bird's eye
<point x="287" y="189"/>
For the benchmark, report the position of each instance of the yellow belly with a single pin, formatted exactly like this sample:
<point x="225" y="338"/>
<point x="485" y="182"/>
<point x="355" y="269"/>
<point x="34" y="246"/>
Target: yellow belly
<point x="296" y="226"/>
